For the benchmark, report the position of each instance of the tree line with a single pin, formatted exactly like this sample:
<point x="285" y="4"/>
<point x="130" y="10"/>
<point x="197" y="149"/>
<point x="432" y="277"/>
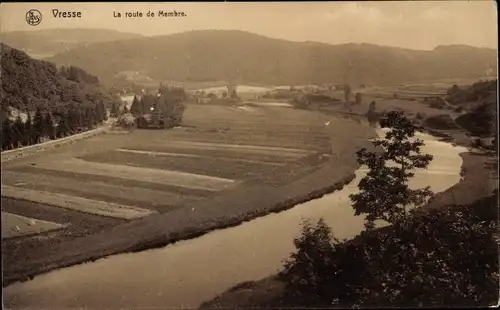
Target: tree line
<point x="168" y="102"/>
<point x="46" y="124"/>
<point x="29" y="83"/>
<point x="76" y="74"/>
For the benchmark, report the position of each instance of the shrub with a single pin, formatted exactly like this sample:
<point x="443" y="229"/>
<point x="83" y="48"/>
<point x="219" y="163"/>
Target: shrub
<point x="481" y="121"/>
<point x="441" y="257"/>
<point x="443" y="121"/>
<point x="320" y="267"/>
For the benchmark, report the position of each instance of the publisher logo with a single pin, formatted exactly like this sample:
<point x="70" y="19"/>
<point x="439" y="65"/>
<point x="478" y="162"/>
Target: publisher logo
<point x="33" y="17"/>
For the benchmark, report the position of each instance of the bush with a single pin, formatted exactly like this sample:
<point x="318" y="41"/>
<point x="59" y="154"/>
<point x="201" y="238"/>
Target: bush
<point x="475" y="92"/>
<point x="320" y="267"/>
<point x="443" y="121"/>
<point x="441" y="257"/>
<point x="481" y="121"/>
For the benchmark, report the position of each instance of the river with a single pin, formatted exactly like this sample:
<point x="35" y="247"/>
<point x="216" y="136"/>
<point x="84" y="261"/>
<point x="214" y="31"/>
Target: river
<point x="186" y="274"/>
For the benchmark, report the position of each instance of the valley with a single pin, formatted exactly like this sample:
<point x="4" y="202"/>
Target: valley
<point x="201" y="159"/>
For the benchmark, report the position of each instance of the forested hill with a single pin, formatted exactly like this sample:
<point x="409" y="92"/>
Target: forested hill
<point x="28" y="84"/>
<point x="48" y="42"/>
<point x="57" y="102"/>
<point x="244" y="57"/>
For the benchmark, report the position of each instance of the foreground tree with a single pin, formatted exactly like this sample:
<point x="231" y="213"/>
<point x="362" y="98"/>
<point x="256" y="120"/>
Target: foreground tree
<point x="322" y="268"/>
<point x="384" y="193"/>
<point x="445" y="256"/>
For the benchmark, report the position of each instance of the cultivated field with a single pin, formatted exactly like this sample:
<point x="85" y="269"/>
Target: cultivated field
<point x="147" y="172"/>
<point x="218" y="148"/>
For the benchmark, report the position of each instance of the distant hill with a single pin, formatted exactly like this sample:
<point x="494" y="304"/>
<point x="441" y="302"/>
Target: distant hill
<point x="244" y="57"/>
<point x="48" y="42"/>
<point x="28" y="84"/>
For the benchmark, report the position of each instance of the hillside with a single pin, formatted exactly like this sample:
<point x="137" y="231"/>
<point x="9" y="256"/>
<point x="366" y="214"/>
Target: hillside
<point x="29" y="84"/>
<point x="49" y="103"/>
<point x="244" y="57"/>
<point x="48" y="42"/>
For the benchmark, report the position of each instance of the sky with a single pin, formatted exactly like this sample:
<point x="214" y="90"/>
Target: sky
<point x="410" y="24"/>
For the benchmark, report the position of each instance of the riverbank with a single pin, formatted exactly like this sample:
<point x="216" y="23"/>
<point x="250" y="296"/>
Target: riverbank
<point x="326" y="173"/>
<point x="477" y="182"/>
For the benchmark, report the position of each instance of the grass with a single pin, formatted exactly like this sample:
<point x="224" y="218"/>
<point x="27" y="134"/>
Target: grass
<point x="87" y="177"/>
<point x="164" y="177"/>
<point x="108" y="209"/>
<point x="97" y="190"/>
<point x="203" y="166"/>
<point x="15" y="225"/>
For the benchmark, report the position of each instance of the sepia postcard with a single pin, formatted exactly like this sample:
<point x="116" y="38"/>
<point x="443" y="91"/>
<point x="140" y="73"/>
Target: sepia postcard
<point x="250" y="155"/>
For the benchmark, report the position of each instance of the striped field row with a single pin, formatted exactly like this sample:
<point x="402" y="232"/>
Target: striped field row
<point x="240" y="149"/>
<point x="186" y="155"/>
<point x="96" y="207"/>
<point x="164" y="177"/>
<point x="130" y="183"/>
<point x="126" y="194"/>
<point x="14" y="225"/>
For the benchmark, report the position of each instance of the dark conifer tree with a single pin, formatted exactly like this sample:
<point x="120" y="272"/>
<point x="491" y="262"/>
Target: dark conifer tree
<point x="98" y="113"/>
<point x="30" y="131"/>
<point x="19" y="132"/>
<point x="104" y="111"/>
<point x="38" y="124"/>
<point x="72" y="120"/>
<point x="94" y="116"/>
<point x="89" y="118"/>
<point x="114" y="109"/>
<point x="6" y="134"/>
<point x="62" y="128"/>
<point x="142" y="106"/>
<point x="49" y="126"/>
<point x="135" y="108"/>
